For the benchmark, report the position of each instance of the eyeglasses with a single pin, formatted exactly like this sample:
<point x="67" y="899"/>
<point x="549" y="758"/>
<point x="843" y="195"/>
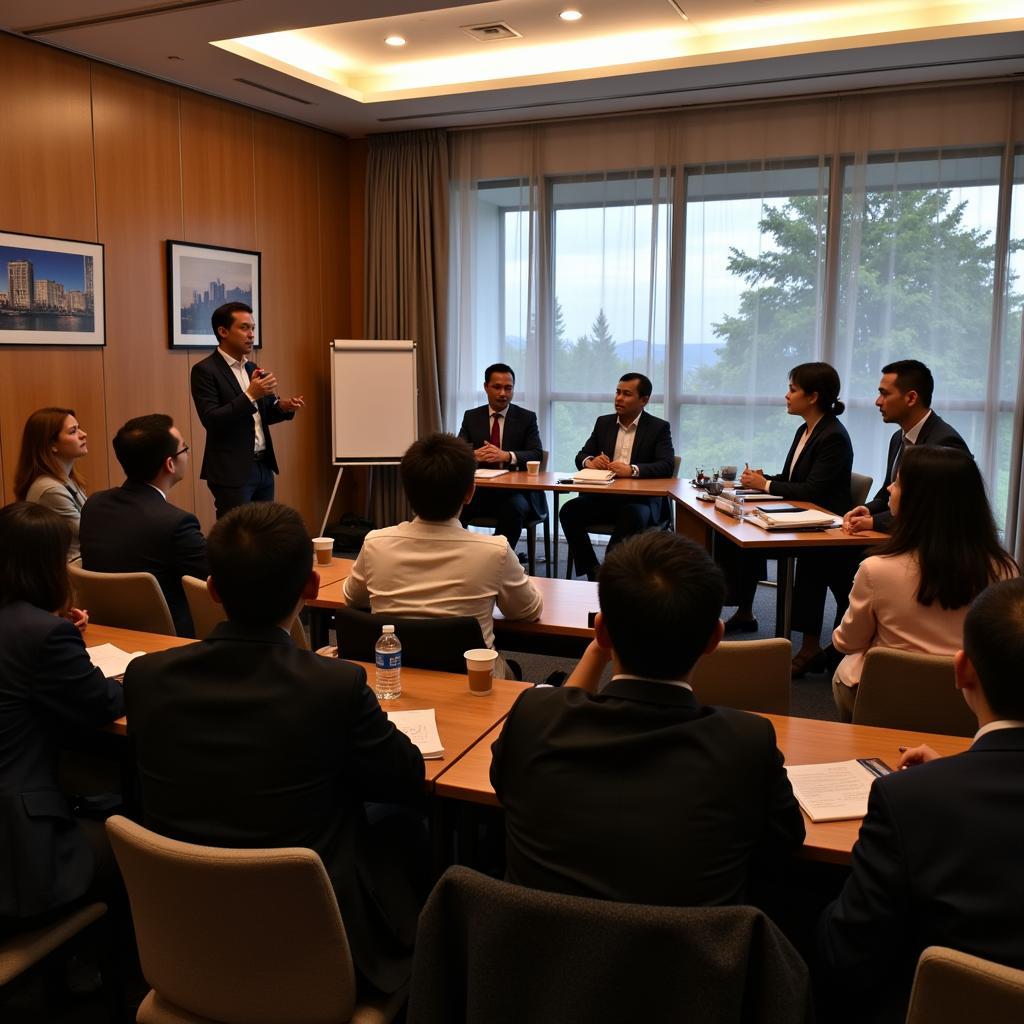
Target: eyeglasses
<point x="185" y="449"/>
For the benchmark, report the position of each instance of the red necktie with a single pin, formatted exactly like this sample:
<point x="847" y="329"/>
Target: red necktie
<point x="496" y="431"/>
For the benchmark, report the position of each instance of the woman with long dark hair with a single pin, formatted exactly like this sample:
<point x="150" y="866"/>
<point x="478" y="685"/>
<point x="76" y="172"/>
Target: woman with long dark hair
<point x="48" y="686"/>
<point x="912" y="593"/>
<point x="51" y="445"/>
<point x="817" y="470"/>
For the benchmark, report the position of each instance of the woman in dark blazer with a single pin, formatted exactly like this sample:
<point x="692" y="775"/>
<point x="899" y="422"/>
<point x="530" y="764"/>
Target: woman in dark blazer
<point x="48" y="686"/>
<point x="817" y="470"/>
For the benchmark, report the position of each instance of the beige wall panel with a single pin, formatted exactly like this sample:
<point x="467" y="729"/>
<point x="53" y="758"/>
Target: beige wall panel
<point x="138" y="201"/>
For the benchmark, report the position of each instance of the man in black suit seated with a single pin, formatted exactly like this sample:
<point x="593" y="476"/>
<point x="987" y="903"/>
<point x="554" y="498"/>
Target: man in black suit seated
<point x="632" y="790"/>
<point x="938" y="860"/>
<point x="904" y="398"/>
<point x="243" y="740"/>
<point x="134" y="528"/>
<point x="631" y="443"/>
<point x="503" y="436"/>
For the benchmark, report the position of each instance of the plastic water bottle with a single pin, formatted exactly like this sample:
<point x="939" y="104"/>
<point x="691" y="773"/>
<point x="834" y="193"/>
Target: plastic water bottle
<point x="388" y="657"/>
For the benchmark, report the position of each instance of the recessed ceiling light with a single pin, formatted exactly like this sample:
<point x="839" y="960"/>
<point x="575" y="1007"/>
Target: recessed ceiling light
<point x="395" y="41"/>
<point x="571" y="14"/>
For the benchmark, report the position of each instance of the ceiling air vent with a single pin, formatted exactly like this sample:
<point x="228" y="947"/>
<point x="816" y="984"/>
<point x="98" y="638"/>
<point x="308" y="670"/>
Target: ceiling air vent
<point x="492" y="30"/>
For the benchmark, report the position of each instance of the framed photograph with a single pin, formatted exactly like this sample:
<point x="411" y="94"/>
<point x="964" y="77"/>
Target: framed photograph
<point x="51" y="291"/>
<point x="199" y="279"/>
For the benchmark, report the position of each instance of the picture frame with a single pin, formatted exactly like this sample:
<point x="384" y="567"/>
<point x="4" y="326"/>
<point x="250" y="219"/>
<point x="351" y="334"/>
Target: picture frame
<point x="199" y="279"/>
<point x="51" y="291"/>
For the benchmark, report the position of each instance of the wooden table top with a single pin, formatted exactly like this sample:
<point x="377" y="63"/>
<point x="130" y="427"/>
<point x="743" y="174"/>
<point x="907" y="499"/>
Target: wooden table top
<point x="517" y="480"/>
<point x="802" y="741"/>
<point x="462" y="718"/>
<point x="337" y="570"/>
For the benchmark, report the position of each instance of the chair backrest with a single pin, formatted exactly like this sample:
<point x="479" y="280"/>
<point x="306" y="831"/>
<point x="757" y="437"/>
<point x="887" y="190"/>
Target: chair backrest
<point x="24" y="950"/>
<point x="239" y="936"/>
<point x="750" y="674"/>
<point x="207" y="613"/>
<point x="489" y="950"/>
<point x="130" y="600"/>
<point x="544" y="461"/>
<point x="676" y="462"/>
<point x="951" y="987"/>
<point x="901" y="690"/>
<point x="426" y="643"/>
<point x="860" y="487"/>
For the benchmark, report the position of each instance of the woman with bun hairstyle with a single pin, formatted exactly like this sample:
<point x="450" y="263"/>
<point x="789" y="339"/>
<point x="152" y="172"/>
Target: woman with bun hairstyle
<point x="913" y="591"/>
<point x="817" y="469"/>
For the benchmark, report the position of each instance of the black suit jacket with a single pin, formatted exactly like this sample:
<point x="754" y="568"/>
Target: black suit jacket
<point x="938" y="862"/>
<point x="242" y="740"/>
<point x="48" y="686"/>
<point x="132" y="528"/>
<point x="639" y="794"/>
<point x="934" y="431"/>
<point x="226" y="413"/>
<point x="822" y="473"/>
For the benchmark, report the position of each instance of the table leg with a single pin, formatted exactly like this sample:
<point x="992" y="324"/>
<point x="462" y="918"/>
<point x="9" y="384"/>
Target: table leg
<point x="554" y="538"/>
<point x="784" y="597"/>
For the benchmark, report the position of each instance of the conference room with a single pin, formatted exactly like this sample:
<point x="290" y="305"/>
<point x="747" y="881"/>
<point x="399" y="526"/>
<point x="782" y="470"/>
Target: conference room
<point x="705" y="197"/>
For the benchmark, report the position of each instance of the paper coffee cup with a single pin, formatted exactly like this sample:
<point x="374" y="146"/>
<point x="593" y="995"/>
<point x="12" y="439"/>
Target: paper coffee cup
<point x="324" y="548"/>
<point x="533" y="468"/>
<point x="480" y="669"/>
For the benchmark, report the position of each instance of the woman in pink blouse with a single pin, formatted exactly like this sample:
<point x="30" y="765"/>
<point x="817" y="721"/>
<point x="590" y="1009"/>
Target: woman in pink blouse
<point x="913" y="592"/>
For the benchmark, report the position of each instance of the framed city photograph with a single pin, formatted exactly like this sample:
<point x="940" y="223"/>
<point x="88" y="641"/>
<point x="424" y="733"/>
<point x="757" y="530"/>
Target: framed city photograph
<point x="51" y="291"/>
<point x="199" y="279"/>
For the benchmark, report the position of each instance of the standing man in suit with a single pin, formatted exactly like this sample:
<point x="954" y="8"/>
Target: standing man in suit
<point x="237" y="401"/>
<point x="938" y="859"/>
<point x="134" y="528"/>
<point x="243" y="740"/>
<point x="689" y="805"/>
<point x="904" y="398"/>
<point x="503" y="436"/>
<point x="631" y="443"/>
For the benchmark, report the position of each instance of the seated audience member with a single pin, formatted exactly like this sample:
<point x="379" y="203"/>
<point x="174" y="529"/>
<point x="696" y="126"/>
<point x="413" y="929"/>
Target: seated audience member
<point x="631" y="443"/>
<point x="938" y="859"/>
<point x="48" y="686"/>
<point x="134" y="528"/>
<point x="913" y="592"/>
<point x="503" y="436"/>
<point x="818" y="469"/>
<point x="51" y="445"/>
<point x="432" y="566"/>
<point x="634" y="791"/>
<point x="904" y="398"/>
<point x="243" y="740"/>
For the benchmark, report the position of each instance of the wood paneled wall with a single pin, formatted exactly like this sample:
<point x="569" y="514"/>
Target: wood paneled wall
<point x="95" y="153"/>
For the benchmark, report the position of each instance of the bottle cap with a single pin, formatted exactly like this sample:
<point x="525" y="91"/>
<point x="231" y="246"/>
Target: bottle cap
<point x="389" y="629"/>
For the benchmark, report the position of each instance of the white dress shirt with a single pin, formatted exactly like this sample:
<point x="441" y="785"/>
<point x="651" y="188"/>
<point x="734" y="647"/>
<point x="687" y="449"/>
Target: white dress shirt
<point x="238" y="369"/>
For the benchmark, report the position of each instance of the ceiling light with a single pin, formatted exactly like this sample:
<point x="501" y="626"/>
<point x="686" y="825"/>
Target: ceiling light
<point x="571" y="14"/>
<point x="395" y="41"/>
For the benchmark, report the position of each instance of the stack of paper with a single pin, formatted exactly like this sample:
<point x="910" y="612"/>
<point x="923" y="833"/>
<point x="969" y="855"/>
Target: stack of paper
<point x="488" y="474"/>
<point x="421" y="728"/>
<point x="111" y="660"/>
<point x="803" y="520"/>
<point x="835" y="791"/>
<point x="593" y="476"/>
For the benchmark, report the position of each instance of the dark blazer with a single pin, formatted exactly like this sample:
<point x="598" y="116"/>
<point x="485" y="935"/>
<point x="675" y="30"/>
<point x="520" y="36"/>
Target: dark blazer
<point x="822" y="473"/>
<point x="653" y="454"/>
<point x="226" y="413"/>
<point x="934" y="431"/>
<point x="48" y="686"/>
<point x="243" y="740"/>
<point x="132" y="528"/>
<point x="938" y="862"/>
<point x="641" y="795"/>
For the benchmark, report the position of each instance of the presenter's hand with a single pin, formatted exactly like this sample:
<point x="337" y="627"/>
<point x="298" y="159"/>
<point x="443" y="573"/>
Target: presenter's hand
<point x="858" y="519"/>
<point x="79" y="618"/>
<point x="489" y="454"/>
<point x="619" y="468"/>
<point x="918" y="755"/>
<point x="600" y="462"/>
<point x="290" y="404"/>
<point x="261" y="384"/>
<point x="754" y="478"/>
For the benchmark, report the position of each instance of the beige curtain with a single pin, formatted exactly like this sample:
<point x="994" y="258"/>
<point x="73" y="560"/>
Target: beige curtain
<point x="407" y="274"/>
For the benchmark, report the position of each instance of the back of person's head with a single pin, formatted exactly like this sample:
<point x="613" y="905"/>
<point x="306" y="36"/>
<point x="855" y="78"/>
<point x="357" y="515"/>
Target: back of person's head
<point x="823" y="379"/>
<point x="498" y="368"/>
<point x="661" y="597"/>
<point x="437" y="472"/>
<point x="913" y="375"/>
<point x="994" y="643"/>
<point x="943" y="516"/>
<point x="34" y="544"/>
<point x="37" y="457"/>
<point x="644" y="387"/>
<point x="224" y="316"/>
<point x="143" y="444"/>
<point x="260" y="558"/>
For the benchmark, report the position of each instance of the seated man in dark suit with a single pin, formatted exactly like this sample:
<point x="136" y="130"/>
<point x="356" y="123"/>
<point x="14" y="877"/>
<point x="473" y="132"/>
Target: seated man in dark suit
<point x="242" y="740"/>
<point x="134" y="528"/>
<point x="631" y="443"/>
<point x="904" y="398"/>
<point x="503" y="436"/>
<point x="938" y="860"/>
<point x="634" y="791"/>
